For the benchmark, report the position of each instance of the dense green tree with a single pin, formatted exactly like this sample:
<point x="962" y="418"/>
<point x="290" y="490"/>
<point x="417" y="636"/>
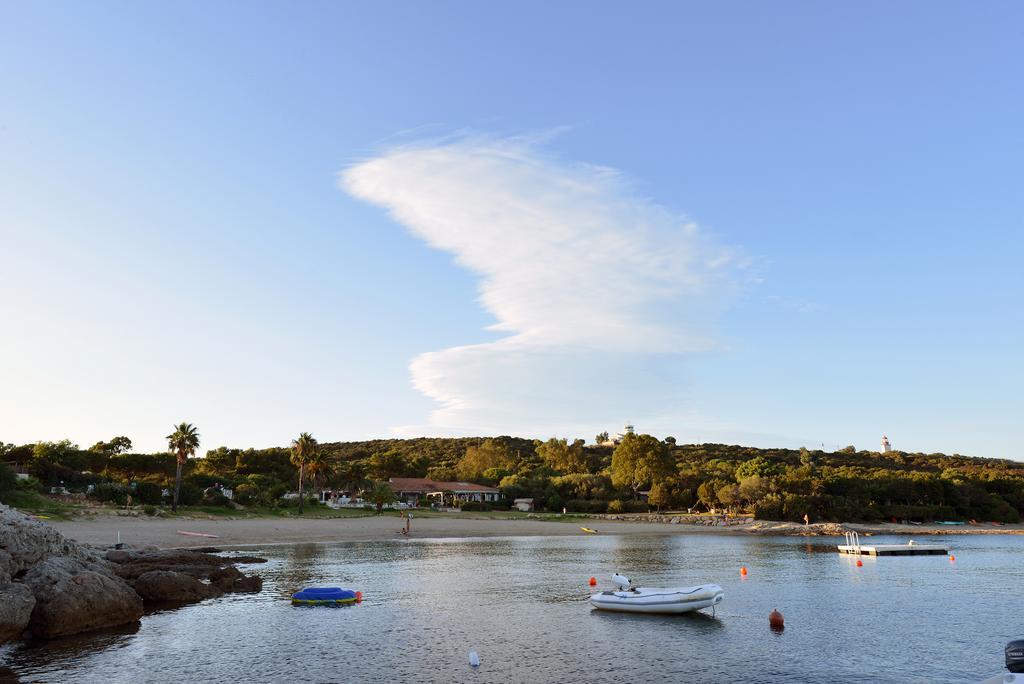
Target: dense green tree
<point x="129" y="467"/>
<point x="661" y="495"/>
<point x="563" y="457"/>
<point x="275" y="462"/>
<point x="640" y="460"/>
<point x="753" y="488"/>
<point x="219" y="461"/>
<point x="55" y="452"/>
<point x="583" y="486"/>
<point x="728" y="493"/>
<point x="183" y="443"/>
<point x="492" y="453"/>
<point x="756" y="466"/>
<point x="8" y="480"/>
<point x="707" y="492"/>
<point x="387" y="464"/>
<point x="443" y="474"/>
<point x="117" y="445"/>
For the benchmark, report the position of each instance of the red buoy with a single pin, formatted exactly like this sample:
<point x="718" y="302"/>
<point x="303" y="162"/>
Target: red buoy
<point x="952" y="558"/>
<point x="776" y="621"/>
<point x="743" y="571"/>
<point x="593" y="581"/>
<point x="860" y="563"/>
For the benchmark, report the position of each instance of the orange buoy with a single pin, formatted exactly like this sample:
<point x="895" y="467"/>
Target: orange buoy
<point x="359" y="597"/>
<point x="776" y="621"/>
<point x="952" y="558"/>
<point x="593" y="582"/>
<point x="860" y="563"/>
<point x="743" y="571"/>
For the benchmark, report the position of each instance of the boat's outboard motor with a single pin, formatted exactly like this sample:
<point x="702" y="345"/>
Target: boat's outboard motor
<point x="1015" y="656"/>
<point x="624" y="582"/>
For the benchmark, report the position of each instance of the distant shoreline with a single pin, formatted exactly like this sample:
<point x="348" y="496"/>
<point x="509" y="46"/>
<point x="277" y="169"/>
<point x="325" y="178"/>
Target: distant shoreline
<point x="103" y="530"/>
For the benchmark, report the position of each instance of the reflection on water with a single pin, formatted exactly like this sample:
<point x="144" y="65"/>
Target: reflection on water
<point x="699" y="621"/>
<point x="521" y="603"/>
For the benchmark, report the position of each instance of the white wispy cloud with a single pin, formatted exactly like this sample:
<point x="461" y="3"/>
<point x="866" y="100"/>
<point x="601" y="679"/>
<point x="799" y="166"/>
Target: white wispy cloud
<point x="601" y="293"/>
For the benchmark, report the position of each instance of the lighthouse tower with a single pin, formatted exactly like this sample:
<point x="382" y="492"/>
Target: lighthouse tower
<point x="886" y="447"/>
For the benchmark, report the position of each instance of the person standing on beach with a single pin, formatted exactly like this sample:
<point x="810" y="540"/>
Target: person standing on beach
<point x="807" y="519"/>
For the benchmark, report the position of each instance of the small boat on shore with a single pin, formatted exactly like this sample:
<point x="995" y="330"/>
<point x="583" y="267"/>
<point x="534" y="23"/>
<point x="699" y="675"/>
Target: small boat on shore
<point x="671" y="600"/>
<point x="326" y="596"/>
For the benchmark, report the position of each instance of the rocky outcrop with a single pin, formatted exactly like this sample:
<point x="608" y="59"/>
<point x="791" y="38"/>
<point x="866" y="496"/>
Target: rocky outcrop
<point x="707" y="520"/>
<point x="160" y="586"/>
<point x="132" y="564"/>
<point x="72" y="588"/>
<point x="72" y="597"/>
<point x="55" y="586"/>
<point x="7" y="569"/>
<point x="16" y="603"/>
<point x="182" y="576"/>
<point x="27" y="541"/>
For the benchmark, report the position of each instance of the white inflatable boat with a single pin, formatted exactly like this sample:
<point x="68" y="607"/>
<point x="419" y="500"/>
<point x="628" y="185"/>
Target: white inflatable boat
<point x="631" y="599"/>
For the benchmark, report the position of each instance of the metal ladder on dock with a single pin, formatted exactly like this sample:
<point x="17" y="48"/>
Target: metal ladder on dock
<point x="852" y="542"/>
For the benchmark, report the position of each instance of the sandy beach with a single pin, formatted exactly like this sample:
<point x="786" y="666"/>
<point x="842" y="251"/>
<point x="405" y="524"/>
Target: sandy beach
<point x="103" y="529"/>
<point x="165" y="533"/>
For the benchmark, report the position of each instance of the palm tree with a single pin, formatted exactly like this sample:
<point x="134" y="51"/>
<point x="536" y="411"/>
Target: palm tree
<point x="381" y="495"/>
<point x="320" y="468"/>
<point x="183" y="442"/>
<point x="304" y="450"/>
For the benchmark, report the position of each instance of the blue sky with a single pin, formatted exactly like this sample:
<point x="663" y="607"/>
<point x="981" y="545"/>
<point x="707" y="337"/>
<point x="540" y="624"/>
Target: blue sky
<point x="377" y="219"/>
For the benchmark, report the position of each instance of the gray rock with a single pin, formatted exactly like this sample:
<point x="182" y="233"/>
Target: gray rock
<point x="7" y="568"/>
<point x="120" y="555"/>
<point x="230" y="580"/>
<point x="29" y="541"/>
<point x="73" y="596"/>
<point x="16" y="603"/>
<point x="167" y="586"/>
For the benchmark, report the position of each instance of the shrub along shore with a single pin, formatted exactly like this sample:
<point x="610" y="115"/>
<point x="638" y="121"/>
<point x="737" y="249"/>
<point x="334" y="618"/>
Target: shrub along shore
<point x="637" y="475"/>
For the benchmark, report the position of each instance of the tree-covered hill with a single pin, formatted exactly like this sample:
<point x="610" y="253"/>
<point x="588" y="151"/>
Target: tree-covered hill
<point x="640" y="472"/>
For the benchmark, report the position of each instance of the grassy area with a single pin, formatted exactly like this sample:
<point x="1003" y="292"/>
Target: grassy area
<point x="39" y="505"/>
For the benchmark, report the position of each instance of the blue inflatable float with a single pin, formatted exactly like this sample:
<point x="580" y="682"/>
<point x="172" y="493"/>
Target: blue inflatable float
<point x="326" y="596"/>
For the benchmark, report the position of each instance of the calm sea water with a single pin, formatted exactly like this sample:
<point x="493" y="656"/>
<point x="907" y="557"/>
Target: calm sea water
<point x="521" y="604"/>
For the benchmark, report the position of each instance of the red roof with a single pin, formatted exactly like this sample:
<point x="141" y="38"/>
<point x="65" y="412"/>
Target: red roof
<point x="425" y="485"/>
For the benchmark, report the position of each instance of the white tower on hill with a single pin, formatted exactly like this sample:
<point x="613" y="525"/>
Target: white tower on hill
<point x="886" y="447"/>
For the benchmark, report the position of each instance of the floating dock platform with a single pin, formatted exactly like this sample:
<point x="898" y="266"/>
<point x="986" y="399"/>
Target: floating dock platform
<point x="853" y="547"/>
<point x="895" y="550"/>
